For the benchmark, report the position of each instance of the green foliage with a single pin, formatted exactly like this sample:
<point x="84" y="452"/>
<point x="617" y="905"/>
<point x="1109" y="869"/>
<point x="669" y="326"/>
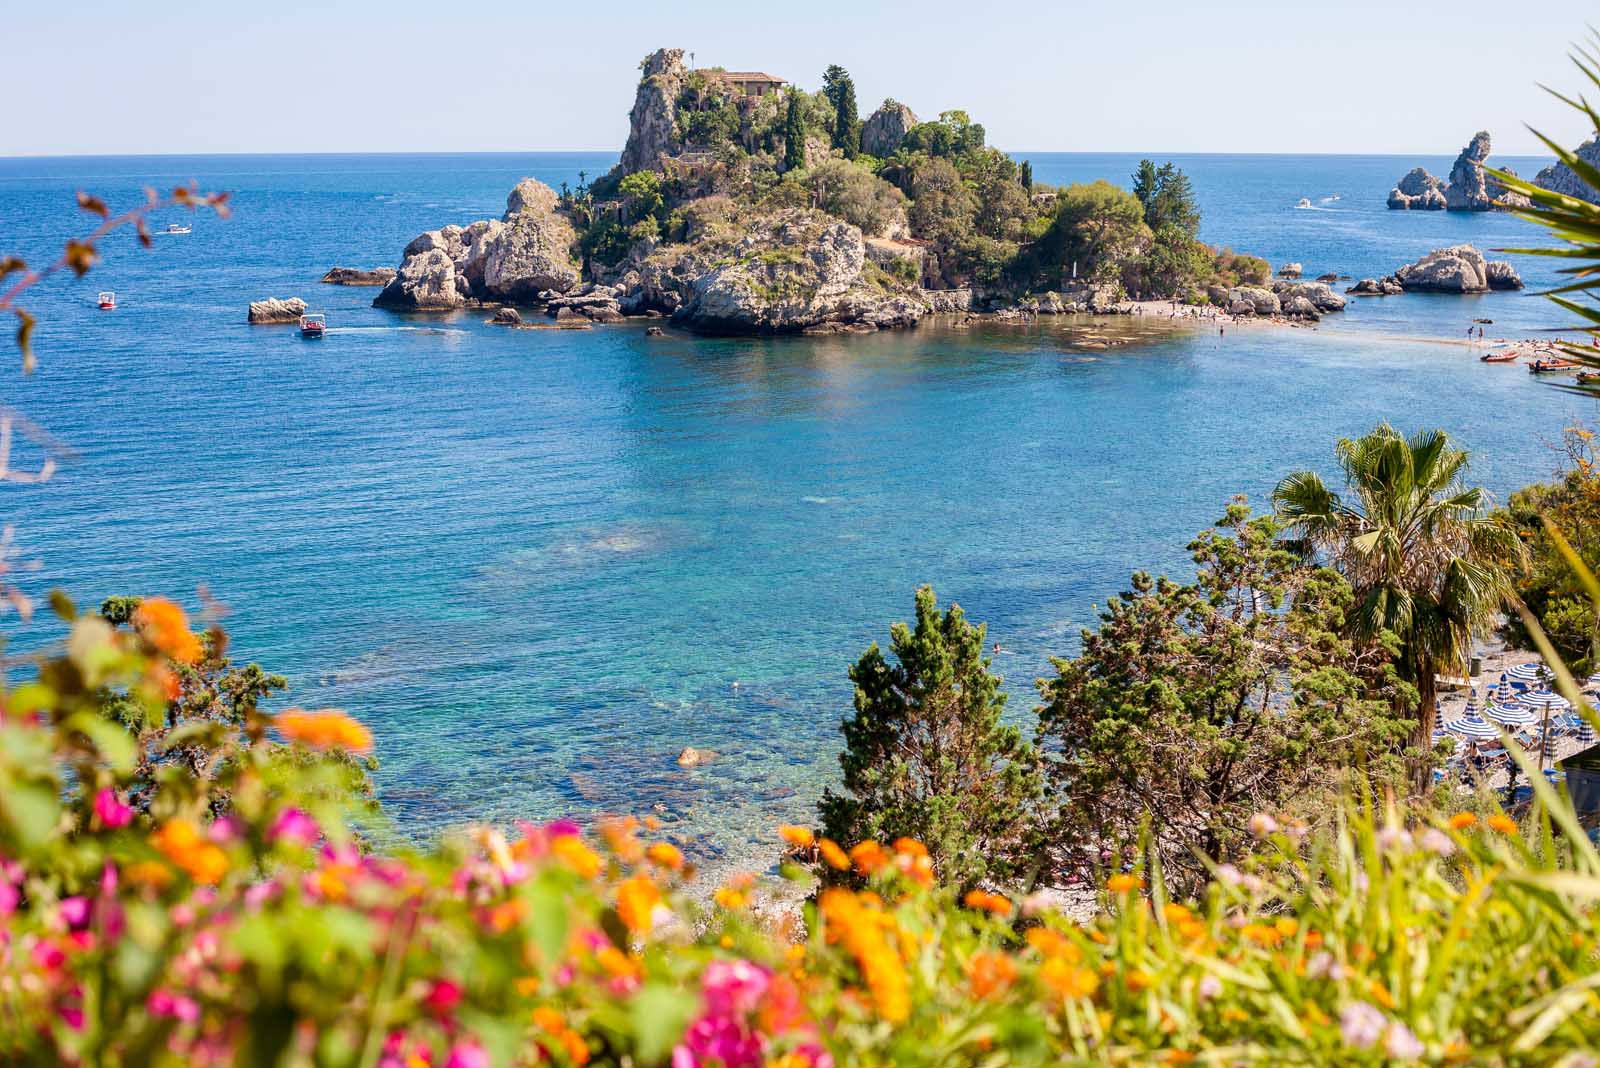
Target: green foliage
<point x="953" y="134"/>
<point x="1427" y="561"/>
<point x="1232" y="268"/>
<point x="794" y="133"/>
<point x="1194" y="706"/>
<point x="1172" y="267"/>
<point x="1167" y="197"/>
<point x="845" y="129"/>
<point x="1026" y="177"/>
<point x="1550" y="585"/>
<point x="1097" y="227"/>
<point x="642" y="192"/>
<point x="927" y="756"/>
<point x="605" y="241"/>
<point x="854" y="194"/>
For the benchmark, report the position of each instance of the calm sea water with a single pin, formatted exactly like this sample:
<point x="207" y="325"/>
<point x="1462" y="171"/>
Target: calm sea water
<point x="540" y="562"/>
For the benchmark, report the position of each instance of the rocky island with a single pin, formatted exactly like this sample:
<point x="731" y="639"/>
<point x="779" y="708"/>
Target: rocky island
<point x="1468" y="187"/>
<point x="744" y="205"/>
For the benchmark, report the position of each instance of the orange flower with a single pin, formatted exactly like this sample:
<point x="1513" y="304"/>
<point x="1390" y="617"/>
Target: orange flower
<point x="910" y="847"/>
<point x="1193" y="930"/>
<point x="1053" y="944"/>
<point x="637" y="899"/>
<point x="730" y="898"/>
<point x="798" y="837"/>
<point x="665" y="855"/>
<point x="990" y="974"/>
<point x="1503" y="823"/>
<point x="548" y="1019"/>
<point x="570" y="850"/>
<point x="1176" y="913"/>
<point x="1068" y="980"/>
<point x="180" y="841"/>
<point x="1462" y="820"/>
<point x="998" y="904"/>
<point x="868" y="857"/>
<point x="836" y="858"/>
<point x="1124" y="882"/>
<point x="617" y="963"/>
<point x="1138" y="979"/>
<point x="325" y="729"/>
<point x="1286" y="926"/>
<point x="1261" y="934"/>
<point x="862" y="929"/>
<point x="165" y="627"/>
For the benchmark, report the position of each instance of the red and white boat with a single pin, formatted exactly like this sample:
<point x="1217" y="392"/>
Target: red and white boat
<point x="108" y="300"/>
<point x="313" y="324"/>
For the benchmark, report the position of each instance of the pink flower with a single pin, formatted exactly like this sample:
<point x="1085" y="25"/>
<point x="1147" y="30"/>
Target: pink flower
<point x="293" y="827"/>
<point x="719" y="1041"/>
<point x="442" y="997"/>
<point x="177" y="1006"/>
<point x="1361" y="1025"/>
<point x="734" y="987"/>
<point x="75" y="912"/>
<point x="561" y="828"/>
<point x="467" y="1054"/>
<point x="110" y="810"/>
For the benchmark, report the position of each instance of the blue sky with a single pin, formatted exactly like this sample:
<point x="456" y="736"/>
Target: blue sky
<point x="1144" y="76"/>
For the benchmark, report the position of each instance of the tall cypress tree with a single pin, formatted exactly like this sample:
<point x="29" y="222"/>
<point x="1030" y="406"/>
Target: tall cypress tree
<point x="840" y="90"/>
<point x="1026" y="175"/>
<point x="794" y="135"/>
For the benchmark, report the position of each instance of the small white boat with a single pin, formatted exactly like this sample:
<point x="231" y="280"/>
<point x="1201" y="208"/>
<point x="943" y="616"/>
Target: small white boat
<point x="313" y="324"/>
<point x="107" y="300"/>
<point x="1305" y="202"/>
<point x="176" y="228"/>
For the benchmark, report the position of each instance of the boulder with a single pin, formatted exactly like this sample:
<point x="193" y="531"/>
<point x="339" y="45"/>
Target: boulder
<point x="426" y="281"/>
<point x="1458" y="269"/>
<point x="1320" y="295"/>
<point x="653" y="122"/>
<point x="1501" y="275"/>
<point x="1300" y="308"/>
<point x="1418" y="191"/>
<point x="354" y="276"/>
<point x="1468" y="189"/>
<point x="507" y="317"/>
<point x="1291" y="270"/>
<point x="654" y="331"/>
<point x="530" y="194"/>
<point x="530" y="253"/>
<point x="885" y="128"/>
<point x="1367" y="287"/>
<point x="1329" y="277"/>
<point x="1261" y="301"/>
<point x="789" y="271"/>
<point x="690" y="757"/>
<point x="1560" y="178"/>
<point x="946" y="300"/>
<point x="275" y="310"/>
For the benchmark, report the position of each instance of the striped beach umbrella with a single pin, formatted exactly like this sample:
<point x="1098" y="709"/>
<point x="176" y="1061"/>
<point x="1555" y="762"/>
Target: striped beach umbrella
<point x="1472" y="704"/>
<point x="1585" y="733"/>
<point x="1503" y="691"/>
<point x="1512" y="714"/>
<point x="1540" y="700"/>
<point x="1524" y="675"/>
<point x="1472" y="726"/>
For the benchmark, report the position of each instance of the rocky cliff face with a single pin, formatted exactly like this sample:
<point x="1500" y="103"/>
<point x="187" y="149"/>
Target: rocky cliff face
<point x="1418" y="191"/>
<point x="519" y="257"/>
<point x="653" y="122"/>
<point x="885" y="128"/>
<point x="1560" y="178"/>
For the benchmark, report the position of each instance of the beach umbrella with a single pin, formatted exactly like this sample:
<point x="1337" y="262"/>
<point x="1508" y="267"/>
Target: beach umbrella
<point x="1472" y="726"/>
<point x="1525" y="675"/>
<point x="1503" y="693"/>
<point x="1545" y="699"/>
<point x="1472" y="704"/>
<point x="1511" y="714"/>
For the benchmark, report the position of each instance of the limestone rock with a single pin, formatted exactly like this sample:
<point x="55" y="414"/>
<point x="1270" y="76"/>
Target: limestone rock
<point x="1291" y="270"/>
<point x="1258" y="301"/>
<point x="1319" y="295"/>
<point x="275" y="310"/>
<point x="531" y="253"/>
<point x="653" y="122"/>
<point x="1459" y="269"/>
<point x="1468" y="189"/>
<point x="1300" y="308"/>
<point x="947" y="300"/>
<point x="354" y="276"/>
<point x="885" y="128"/>
<point x="690" y="757"/>
<point x="1418" y="191"/>
<point x="530" y="194"/>
<point x="789" y="271"/>
<point x="507" y="317"/>
<point x="1560" y="178"/>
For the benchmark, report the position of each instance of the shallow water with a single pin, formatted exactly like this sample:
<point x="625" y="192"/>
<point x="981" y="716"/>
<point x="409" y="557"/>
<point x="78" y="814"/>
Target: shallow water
<point x="540" y="562"/>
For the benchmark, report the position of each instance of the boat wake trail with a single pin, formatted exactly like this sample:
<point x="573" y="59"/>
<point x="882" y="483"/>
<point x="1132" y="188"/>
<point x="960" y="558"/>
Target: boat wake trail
<point x="394" y="330"/>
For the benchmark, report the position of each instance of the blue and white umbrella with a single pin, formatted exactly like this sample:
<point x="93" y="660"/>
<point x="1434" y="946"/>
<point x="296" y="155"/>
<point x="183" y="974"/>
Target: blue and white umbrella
<point x="1512" y="714"/>
<point x="1524" y="675"/>
<point x="1545" y="699"/>
<point x="1472" y="704"/>
<point x="1472" y="726"/>
<point x="1503" y="692"/>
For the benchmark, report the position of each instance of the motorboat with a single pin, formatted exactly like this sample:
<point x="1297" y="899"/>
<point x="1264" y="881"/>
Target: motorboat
<point x="1545" y="366"/>
<point x="313" y="324"/>
<point x="1305" y="202"/>
<point x="176" y="228"/>
<point x="1507" y="356"/>
<point x="107" y="300"/>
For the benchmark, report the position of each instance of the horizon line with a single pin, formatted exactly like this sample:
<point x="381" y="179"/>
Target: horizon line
<point x="618" y="152"/>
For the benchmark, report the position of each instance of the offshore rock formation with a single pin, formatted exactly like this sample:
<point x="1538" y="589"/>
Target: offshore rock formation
<point x="1469" y="188"/>
<point x="1560" y="178"/>
<point x="1458" y="269"/>
<point x="273" y="310"/>
<point x="653" y="122"/>
<point x="354" y="276"/>
<point x="885" y="128"/>
<point x="523" y="256"/>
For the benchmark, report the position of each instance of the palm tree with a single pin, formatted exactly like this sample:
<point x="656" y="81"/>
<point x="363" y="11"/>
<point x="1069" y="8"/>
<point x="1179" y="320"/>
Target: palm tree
<point x="1426" y="560"/>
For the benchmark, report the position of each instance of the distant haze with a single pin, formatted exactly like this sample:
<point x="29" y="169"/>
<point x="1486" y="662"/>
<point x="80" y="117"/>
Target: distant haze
<point x="99" y="77"/>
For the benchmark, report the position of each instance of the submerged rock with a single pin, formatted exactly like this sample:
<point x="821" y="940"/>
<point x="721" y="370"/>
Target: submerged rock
<point x="507" y="317"/>
<point x="690" y="757"/>
<point x="275" y="310"/>
<point x="354" y="276"/>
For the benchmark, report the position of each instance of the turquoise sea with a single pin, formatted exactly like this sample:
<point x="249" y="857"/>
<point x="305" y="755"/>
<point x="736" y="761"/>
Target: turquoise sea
<point x="539" y="563"/>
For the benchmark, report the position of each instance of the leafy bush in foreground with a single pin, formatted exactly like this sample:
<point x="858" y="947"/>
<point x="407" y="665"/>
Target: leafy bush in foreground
<point x="262" y="936"/>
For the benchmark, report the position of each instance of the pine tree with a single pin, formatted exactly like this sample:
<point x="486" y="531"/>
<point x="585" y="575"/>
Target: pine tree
<point x="927" y="756"/>
<point x="840" y="90"/>
<point x="1026" y="175"/>
<point x="794" y="135"/>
